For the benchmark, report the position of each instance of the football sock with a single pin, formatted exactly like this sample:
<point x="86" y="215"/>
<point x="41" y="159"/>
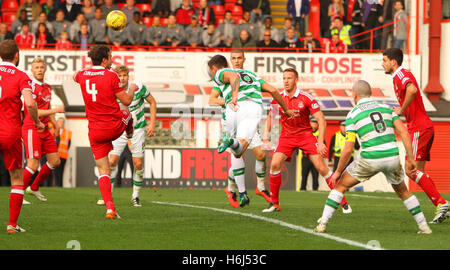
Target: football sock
<point x="331" y="204"/>
<point x="27" y="175"/>
<point x="104" y="184"/>
<point x="413" y="206"/>
<point x="43" y="174"/>
<point x="426" y="183"/>
<point x="260" y="170"/>
<point x="238" y="166"/>
<point x="138" y="177"/>
<point x="331" y="186"/>
<point x="231" y="182"/>
<point x="236" y="147"/>
<point x="113" y="177"/>
<point x="15" y="203"/>
<point x="275" y="184"/>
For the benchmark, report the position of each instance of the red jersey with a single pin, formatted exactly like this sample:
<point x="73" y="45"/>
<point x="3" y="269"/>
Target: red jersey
<point x="26" y="41"/>
<point x="302" y="104"/>
<point x="416" y="116"/>
<point x="42" y="95"/>
<point x="99" y="87"/>
<point x="12" y="82"/>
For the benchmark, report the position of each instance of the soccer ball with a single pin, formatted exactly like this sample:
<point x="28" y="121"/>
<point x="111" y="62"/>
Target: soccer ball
<point x="116" y="20"/>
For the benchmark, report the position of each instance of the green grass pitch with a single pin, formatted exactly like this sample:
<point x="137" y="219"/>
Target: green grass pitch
<point x="72" y="214"/>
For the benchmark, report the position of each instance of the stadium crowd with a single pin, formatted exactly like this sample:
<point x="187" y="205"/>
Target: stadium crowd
<point x="203" y="23"/>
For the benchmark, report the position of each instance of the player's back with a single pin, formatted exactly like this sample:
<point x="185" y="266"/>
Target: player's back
<point x="99" y="86"/>
<point x="374" y="124"/>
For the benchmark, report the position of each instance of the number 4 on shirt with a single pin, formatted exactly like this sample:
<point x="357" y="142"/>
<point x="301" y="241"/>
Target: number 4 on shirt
<point x="90" y="89"/>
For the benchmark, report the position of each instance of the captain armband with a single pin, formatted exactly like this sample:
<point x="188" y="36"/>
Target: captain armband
<point x="350" y="136"/>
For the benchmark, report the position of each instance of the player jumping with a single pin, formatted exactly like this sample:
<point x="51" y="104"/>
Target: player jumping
<point x="100" y="88"/>
<point x="297" y="133"/>
<point x="420" y="126"/>
<point x="375" y="124"/>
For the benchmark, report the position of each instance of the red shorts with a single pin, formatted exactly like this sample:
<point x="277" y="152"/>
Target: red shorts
<point x="421" y="142"/>
<point x="101" y="139"/>
<point x="12" y="152"/>
<point x="37" y="143"/>
<point x="307" y="143"/>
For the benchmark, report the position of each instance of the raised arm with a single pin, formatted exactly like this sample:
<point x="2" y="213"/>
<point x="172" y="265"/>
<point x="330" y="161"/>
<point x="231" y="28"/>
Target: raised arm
<point x="126" y="98"/>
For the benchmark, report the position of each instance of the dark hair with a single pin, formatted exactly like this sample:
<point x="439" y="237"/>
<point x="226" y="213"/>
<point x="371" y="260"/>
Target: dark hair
<point x="98" y="53"/>
<point x="218" y="61"/>
<point x="394" y="54"/>
<point x="293" y="70"/>
<point x="399" y="1"/>
<point x="8" y="49"/>
<point x="137" y="12"/>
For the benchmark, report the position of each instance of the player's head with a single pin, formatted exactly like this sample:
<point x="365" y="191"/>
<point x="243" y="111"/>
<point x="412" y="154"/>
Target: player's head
<point x="9" y="51"/>
<point x="361" y="89"/>
<point x="215" y="63"/>
<point x="398" y="5"/>
<point x="342" y="126"/>
<point x="60" y="122"/>
<point x="392" y="59"/>
<point x="237" y="58"/>
<point x="38" y="69"/>
<point x="290" y="79"/>
<point x="100" y="56"/>
<point x="124" y="74"/>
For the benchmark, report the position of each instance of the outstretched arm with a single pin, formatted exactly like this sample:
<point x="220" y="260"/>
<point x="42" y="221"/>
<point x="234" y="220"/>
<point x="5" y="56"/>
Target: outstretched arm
<point x="277" y="97"/>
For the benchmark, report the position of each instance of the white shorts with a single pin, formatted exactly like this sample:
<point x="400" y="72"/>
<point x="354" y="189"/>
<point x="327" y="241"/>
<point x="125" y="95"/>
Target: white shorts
<point x="364" y="169"/>
<point x="256" y="141"/>
<point x="137" y="143"/>
<point x="244" y="122"/>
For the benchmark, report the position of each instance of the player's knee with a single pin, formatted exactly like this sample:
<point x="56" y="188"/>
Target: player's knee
<point x="138" y="164"/>
<point x="55" y="162"/>
<point x="275" y="167"/>
<point x="33" y="164"/>
<point x="260" y="155"/>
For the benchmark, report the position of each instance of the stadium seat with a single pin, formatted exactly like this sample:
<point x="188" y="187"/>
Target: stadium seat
<point x="195" y="3"/>
<point x="237" y="10"/>
<point x="42" y="2"/>
<point x="218" y="10"/>
<point x="120" y="5"/>
<point x="141" y="49"/>
<point x="237" y="19"/>
<point x="164" y="21"/>
<point x="148" y="21"/>
<point x="21" y="2"/>
<point x="229" y="6"/>
<point x="9" y="17"/>
<point x="219" y="20"/>
<point x="144" y="7"/>
<point x="10" y="5"/>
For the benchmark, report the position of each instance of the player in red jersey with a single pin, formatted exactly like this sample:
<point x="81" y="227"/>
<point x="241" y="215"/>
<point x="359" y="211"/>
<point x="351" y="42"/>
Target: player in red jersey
<point x="420" y="126"/>
<point x="13" y="84"/>
<point x="297" y="133"/>
<point x="101" y="88"/>
<point x="40" y="143"/>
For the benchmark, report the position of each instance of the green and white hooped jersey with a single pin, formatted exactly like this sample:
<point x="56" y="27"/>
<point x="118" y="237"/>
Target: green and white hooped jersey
<point x="374" y="124"/>
<point x="249" y="88"/>
<point x="137" y="105"/>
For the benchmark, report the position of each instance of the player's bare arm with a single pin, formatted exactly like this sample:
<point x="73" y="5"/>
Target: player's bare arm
<point x="321" y="148"/>
<point x="345" y="156"/>
<point x="276" y="95"/>
<point x="267" y="128"/>
<point x="127" y="97"/>
<point x="151" y="126"/>
<point x="233" y="79"/>
<point x="410" y="165"/>
<point x="411" y="91"/>
<point x="32" y="109"/>
<point x="215" y="100"/>
<point x="51" y="111"/>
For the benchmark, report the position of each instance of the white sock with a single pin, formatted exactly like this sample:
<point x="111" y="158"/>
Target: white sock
<point x="138" y="177"/>
<point x="236" y="147"/>
<point x="238" y="166"/>
<point x="332" y="203"/>
<point x="260" y="170"/>
<point x="413" y="206"/>
<point x="231" y="181"/>
<point x="328" y="175"/>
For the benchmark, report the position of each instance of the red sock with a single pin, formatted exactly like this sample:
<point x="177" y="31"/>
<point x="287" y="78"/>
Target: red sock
<point x="275" y="184"/>
<point x="331" y="186"/>
<point x="15" y="204"/>
<point x="104" y="183"/>
<point x="426" y="183"/>
<point x="44" y="172"/>
<point x="27" y="175"/>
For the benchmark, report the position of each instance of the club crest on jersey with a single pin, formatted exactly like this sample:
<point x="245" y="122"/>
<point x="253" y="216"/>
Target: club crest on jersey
<point x="301" y="105"/>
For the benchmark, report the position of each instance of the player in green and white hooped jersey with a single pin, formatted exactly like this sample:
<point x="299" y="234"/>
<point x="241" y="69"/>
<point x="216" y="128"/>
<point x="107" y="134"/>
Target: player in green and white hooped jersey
<point x="141" y="129"/>
<point x="374" y="123"/>
<point x="241" y="90"/>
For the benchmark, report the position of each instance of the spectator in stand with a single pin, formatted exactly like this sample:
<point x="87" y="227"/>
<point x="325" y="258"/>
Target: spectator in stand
<point x="372" y="14"/>
<point x="245" y="40"/>
<point x="16" y="26"/>
<point x="129" y="9"/>
<point x="291" y="40"/>
<point x="174" y="33"/>
<point x="25" y="39"/>
<point x="176" y="4"/>
<point x="99" y="28"/>
<point x="64" y="42"/>
<point x="4" y="33"/>
<point x="156" y="33"/>
<point x="44" y="38"/>
<point x="211" y="36"/>
<point x="400" y="25"/>
<point x="216" y="2"/>
<point x="32" y="8"/>
<point x="248" y="25"/>
<point x="49" y="8"/>
<point x="184" y="13"/>
<point x="310" y="44"/>
<point x="275" y="33"/>
<point x="355" y="19"/>
<point x="194" y="33"/>
<point x="267" y="41"/>
<point x="60" y="24"/>
<point x="205" y="14"/>
<point x="335" y="45"/>
<point x="288" y="24"/>
<point x="137" y="30"/>
<point x="107" y="7"/>
<point x="343" y="31"/>
<point x="76" y="25"/>
<point x="336" y="8"/>
<point x="71" y="10"/>
<point x="324" y="18"/>
<point x="387" y="17"/>
<point x="161" y="7"/>
<point x="298" y="10"/>
<point x="88" y="9"/>
<point x="84" y="37"/>
<point x="42" y="19"/>
<point x="227" y="30"/>
<point x="119" y="38"/>
<point x="259" y="9"/>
